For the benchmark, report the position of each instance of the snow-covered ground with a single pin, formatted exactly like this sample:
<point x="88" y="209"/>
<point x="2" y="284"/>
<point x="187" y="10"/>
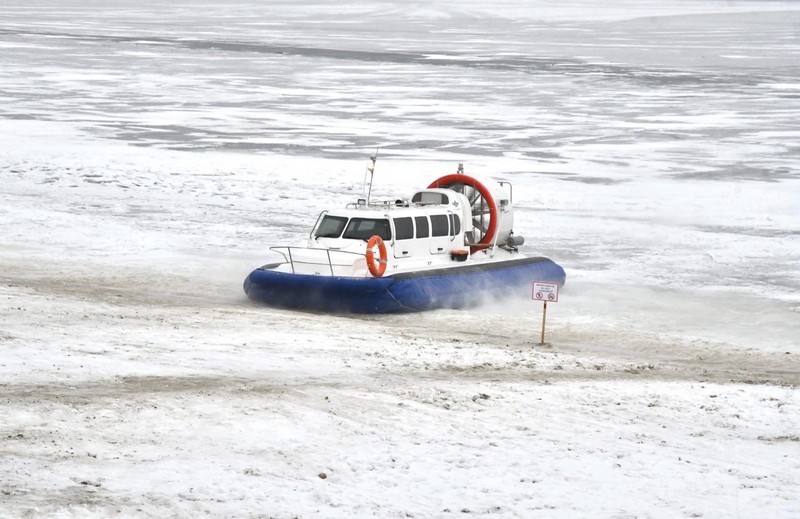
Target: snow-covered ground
<point x="150" y="153"/>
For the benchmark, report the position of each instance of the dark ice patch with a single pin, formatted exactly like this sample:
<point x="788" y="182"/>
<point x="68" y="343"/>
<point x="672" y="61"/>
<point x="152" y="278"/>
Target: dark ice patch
<point x="651" y="77"/>
<point x="759" y="232"/>
<point x="570" y="177"/>
<point x="738" y="172"/>
<point x="593" y="180"/>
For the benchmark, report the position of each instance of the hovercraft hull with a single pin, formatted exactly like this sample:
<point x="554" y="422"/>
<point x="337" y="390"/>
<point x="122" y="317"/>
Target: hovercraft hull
<point x="453" y="287"/>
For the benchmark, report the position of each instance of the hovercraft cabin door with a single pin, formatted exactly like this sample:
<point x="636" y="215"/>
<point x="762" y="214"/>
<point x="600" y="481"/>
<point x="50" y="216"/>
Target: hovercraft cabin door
<point x="403" y="237"/>
<point x="440" y="234"/>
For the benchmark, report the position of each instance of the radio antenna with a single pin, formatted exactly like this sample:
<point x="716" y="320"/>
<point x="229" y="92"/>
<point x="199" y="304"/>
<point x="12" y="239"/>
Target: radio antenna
<point x="371" y="170"/>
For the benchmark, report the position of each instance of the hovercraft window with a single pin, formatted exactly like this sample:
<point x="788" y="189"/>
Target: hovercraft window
<point x="455" y="225"/>
<point x="422" y="226"/>
<point x="366" y="228"/>
<point x="439" y="225"/>
<point x="430" y="198"/>
<point x="404" y="228"/>
<point x="331" y="227"/>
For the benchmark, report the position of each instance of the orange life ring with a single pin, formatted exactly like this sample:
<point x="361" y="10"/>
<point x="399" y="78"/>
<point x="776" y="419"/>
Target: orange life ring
<point x="376" y="268"/>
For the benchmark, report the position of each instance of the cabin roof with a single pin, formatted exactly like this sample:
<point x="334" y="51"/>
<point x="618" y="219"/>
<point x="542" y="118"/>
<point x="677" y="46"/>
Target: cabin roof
<point x="391" y="211"/>
<point x="425" y="202"/>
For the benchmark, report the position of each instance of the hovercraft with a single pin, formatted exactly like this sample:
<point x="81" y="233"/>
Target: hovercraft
<point x="450" y="245"/>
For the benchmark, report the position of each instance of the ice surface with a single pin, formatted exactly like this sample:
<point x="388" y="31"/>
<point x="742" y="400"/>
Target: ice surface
<point x="150" y="155"/>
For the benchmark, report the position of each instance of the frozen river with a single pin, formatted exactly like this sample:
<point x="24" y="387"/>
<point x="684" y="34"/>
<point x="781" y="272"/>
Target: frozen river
<point x="150" y="153"/>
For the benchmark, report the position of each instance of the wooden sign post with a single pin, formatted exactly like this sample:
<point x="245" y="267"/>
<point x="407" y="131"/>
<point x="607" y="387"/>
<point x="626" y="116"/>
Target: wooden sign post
<point x="547" y="292"/>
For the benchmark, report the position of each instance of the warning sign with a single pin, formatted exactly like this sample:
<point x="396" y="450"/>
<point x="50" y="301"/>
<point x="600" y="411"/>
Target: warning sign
<point x="545" y="291"/>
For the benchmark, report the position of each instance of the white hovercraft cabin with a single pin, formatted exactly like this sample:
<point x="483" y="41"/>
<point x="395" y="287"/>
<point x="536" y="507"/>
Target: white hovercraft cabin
<point x="436" y="227"/>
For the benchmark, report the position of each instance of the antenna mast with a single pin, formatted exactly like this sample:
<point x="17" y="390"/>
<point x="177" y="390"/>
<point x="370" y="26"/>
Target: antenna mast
<point x="371" y="169"/>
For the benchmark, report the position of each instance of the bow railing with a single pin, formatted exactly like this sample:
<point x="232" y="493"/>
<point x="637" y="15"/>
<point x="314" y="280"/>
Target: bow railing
<point x="307" y="260"/>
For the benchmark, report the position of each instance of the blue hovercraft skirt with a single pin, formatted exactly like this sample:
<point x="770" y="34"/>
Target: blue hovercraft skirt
<point x="454" y="287"/>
